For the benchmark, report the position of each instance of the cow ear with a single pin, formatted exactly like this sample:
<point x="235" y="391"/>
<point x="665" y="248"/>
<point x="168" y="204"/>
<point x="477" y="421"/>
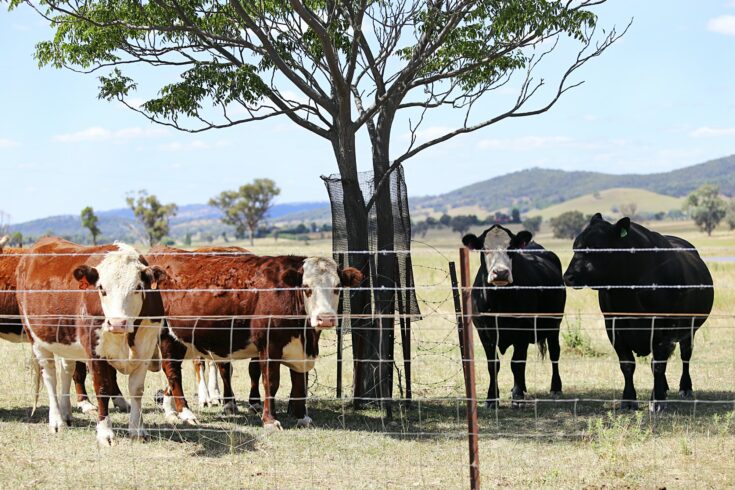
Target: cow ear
<point x="622" y="227"/>
<point x="350" y="277"/>
<point x="522" y="239"/>
<point x="292" y="278"/>
<point x="472" y="242"/>
<point x="596" y="217"/>
<point x="153" y="275"/>
<point x="86" y="275"/>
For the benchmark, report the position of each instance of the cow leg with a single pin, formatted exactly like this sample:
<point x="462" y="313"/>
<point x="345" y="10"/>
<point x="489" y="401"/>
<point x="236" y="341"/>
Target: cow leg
<point x="554" y="352"/>
<point x="102" y="376"/>
<point x="686" y="391"/>
<point x="493" y="366"/>
<point x="48" y="372"/>
<point x="202" y="391"/>
<point x="79" y="376"/>
<point x="297" y="399"/>
<point x="67" y="371"/>
<point x="117" y="398"/>
<point x="661" y="354"/>
<point x="627" y="366"/>
<point x="518" y="366"/>
<point x="254" y="398"/>
<point x="174" y="403"/>
<point x="215" y="397"/>
<point x="136" y="385"/>
<point x="225" y="371"/>
<point x="271" y="380"/>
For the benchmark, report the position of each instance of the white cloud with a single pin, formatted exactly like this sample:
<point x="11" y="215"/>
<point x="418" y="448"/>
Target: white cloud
<point x="708" y="132"/>
<point x="524" y="143"/>
<point x="185" y="146"/>
<point x="724" y="24"/>
<point x="102" y="134"/>
<point x="6" y="143"/>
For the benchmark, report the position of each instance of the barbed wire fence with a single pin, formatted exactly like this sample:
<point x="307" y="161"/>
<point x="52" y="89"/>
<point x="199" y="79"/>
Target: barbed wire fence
<point x="445" y="369"/>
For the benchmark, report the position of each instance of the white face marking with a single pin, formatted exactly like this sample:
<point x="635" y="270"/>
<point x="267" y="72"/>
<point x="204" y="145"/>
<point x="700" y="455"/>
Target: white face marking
<point x="321" y="291"/>
<point x="120" y="288"/>
<point x="498" y="263"/>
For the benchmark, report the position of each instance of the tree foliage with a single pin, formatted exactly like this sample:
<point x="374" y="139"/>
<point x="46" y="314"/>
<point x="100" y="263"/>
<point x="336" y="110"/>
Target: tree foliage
<point x="246" y="207"/>
<point x="89" y="221"/>
<point x="533" y="224"/>
<point x="706" y="207"/>
<point x="569" y="224"/>
<point x="153" y="215"/>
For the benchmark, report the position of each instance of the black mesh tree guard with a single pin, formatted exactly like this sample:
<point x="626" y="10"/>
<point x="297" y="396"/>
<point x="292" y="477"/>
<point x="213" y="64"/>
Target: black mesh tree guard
<point x="372" y="339"/>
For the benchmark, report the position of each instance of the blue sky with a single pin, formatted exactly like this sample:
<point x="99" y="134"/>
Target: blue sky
<point x="662" y="98"/>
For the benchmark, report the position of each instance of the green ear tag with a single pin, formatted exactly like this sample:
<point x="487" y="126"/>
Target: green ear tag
<point x="623" y="233"/>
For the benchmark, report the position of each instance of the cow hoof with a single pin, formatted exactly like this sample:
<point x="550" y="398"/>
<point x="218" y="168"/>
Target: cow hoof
<point x="105" y="436"/>
<point x="121" y="404"/>
<point x="304" y="423"/>
<point x="556" y="395"/>
<point x="491" y="404"/>
<point x="140" y="435"/>
<point x="86" y="407"/>
<point x="229" y="408"/>
<point x="517" y="404"/>
<point x="272" y="426"/>
<point x="203" y="403"/>
<point x="255" y="408"/>
<point x="57" y="425"/>
<point x="686" y="394"/>
<point x="188" y="417"/>
<point x="629" y="405"/>
<point x="215" y="399"/>
<point x="657" y="406"/>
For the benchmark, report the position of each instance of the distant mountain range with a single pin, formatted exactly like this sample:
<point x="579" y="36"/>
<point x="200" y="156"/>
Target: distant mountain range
<point x="533" y="189"/>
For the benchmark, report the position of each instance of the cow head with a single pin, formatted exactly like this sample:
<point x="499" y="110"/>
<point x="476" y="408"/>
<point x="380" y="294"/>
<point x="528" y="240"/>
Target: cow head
<point x="595" y="269"/>
<point x="495" y="243"/>
<point x="121" y="280"/>
<point x="321" y="281"/>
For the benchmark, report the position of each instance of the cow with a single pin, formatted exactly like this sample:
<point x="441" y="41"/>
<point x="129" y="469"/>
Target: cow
<point x="518" y="298"/>
<point x="650" y="299"/>
<point x="244" y="306"/>
<point x="96" y="303"/>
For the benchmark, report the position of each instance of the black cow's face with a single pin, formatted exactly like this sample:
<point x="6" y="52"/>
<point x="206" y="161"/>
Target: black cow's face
<point x="589" y="268"/>
<point x="496" y="242"/>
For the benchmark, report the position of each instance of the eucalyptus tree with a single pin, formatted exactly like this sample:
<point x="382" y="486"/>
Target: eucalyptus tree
<point x="334" y="68"/>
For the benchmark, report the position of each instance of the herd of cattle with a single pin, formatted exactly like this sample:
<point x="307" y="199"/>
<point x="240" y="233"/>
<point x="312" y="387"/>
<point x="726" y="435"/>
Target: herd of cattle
<point x="110" y="309"/>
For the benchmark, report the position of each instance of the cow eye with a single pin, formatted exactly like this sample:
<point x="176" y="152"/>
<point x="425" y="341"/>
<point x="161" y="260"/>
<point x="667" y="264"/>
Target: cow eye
<point x="336" y="291"/>
<point x="308" y="292"/>
<point x="102" y="291"/>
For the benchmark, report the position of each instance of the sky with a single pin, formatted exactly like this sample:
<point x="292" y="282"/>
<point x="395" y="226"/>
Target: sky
<point x="661" y="98"/>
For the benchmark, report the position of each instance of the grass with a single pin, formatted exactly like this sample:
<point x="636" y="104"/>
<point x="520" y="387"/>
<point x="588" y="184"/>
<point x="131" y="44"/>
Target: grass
<point x="605" y="201"/>
<point x="581" y="441"/>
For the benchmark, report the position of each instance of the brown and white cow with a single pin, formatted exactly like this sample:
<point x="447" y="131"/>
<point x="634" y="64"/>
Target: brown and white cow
<point x="95" y="303"/>
<point x="11" y="330"/>
<point x="247" y="306"/>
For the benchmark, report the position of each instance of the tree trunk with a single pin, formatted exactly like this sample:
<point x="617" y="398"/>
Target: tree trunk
<point x="364" y="352"/>
<point x="386" y="265"/>
<point x="252" y="236"/>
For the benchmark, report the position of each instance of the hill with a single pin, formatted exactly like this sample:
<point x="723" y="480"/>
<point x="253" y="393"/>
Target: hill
<point x="541" y="188"/>
<point x="609" y="202"/>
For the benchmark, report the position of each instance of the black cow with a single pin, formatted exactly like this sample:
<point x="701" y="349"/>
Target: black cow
<point x="644" y="319"/>
<point x="509" y="260"/>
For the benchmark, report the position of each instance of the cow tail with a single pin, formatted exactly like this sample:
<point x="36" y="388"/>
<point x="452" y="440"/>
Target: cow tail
<point x="542" y="348"/>
<point x="36" y="369"/>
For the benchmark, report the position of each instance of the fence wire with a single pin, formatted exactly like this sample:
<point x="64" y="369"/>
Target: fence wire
<point x="429" y="429"/>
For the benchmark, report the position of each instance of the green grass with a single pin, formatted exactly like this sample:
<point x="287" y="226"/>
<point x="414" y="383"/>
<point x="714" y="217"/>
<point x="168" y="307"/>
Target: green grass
<point x="605" y="201"/>
<point x="550" y="444"/>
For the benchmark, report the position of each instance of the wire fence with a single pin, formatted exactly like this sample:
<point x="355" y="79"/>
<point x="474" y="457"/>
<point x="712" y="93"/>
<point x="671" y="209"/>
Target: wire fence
<point x="428" y="427"/>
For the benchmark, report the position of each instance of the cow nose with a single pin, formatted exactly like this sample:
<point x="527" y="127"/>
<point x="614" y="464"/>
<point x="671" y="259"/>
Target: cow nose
<point x="117" y="325"/>
<point x="501" y="274"/>
<point x="326" y="320"/>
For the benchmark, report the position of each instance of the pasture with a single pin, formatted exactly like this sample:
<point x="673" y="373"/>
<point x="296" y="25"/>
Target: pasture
<point x="581" y="441"/>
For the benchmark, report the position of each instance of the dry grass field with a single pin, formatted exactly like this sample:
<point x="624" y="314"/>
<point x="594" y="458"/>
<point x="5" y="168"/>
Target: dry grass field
<point x="581" y="441"/>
